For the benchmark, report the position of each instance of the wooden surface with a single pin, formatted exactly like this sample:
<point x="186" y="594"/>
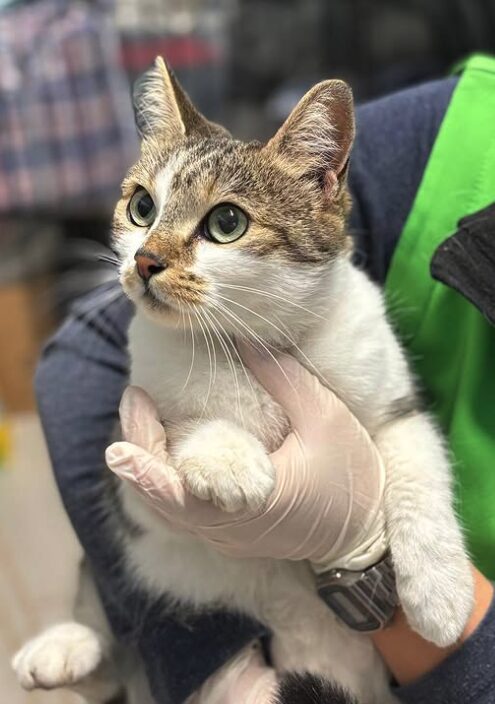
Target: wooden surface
<point x="25" y="324"/>
<point x="38" y="556"/>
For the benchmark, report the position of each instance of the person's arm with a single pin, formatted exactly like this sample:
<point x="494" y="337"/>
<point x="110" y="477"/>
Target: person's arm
<point x="409" y="656"/>
<point x="79" y="381"/>
<point x="462" y="674"/>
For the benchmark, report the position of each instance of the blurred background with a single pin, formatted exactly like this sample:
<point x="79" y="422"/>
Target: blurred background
<point x="66" y="138"/>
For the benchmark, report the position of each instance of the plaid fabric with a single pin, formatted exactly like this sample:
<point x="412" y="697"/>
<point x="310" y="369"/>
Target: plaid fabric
<point x="67" y="131"/>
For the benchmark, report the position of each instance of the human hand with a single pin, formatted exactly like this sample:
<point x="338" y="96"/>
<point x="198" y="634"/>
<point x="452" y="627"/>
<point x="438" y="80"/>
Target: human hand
<point x="327" y="505"/>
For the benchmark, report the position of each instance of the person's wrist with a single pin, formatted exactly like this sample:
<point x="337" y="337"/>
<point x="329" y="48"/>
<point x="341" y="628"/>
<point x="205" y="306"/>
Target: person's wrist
<point x="409" y="656"/>
<point x="365" y="600"/>
<point x="359" y="584"/>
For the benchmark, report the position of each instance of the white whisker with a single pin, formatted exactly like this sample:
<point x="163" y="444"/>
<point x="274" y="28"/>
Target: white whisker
<point x="231" y="364"/>
<point x="212" y="316"/>
<point x="252" y="334"/>
<point x="270" y="294"/>
<point x="192" y="354"/>
<point x="214" y="351"/>
<point x="275" y="327"/>
<point x="202" y="324"/>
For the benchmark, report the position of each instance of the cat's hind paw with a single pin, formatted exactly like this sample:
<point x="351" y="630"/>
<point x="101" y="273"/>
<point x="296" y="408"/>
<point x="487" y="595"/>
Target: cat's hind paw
<point x="224" y="464"/>
<point x="62" y="656"/>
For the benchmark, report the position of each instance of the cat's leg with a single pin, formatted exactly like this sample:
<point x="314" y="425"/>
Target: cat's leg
<point x="434" y="578"/>
<point x="223" y="463"/>
<point x="75" y="655"/>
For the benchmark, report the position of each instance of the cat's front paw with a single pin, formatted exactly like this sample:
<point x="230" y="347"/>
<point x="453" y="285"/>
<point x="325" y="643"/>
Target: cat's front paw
<point x="224" y="464"/>
<point x="438" y="600"/>
<point x="60" y="657"/>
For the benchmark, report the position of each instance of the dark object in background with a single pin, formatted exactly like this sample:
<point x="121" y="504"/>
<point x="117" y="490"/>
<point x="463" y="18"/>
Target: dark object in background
<point x="466" y="261"/>
<point x="192" y="35"/>
<point x="377" y="45"/>
<point x="245" y="63"/>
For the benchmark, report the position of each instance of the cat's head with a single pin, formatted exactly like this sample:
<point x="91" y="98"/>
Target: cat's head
<point x="228" y="233"/>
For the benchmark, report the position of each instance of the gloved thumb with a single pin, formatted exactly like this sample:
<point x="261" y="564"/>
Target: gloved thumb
<point x="140" y="422"/>
<point x="155" y="480"/>
<point x="291" y="385"/>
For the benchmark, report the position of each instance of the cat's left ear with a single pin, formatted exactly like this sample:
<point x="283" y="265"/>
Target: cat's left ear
<point x="163" y="108"/>
<point x="316" y="139"/>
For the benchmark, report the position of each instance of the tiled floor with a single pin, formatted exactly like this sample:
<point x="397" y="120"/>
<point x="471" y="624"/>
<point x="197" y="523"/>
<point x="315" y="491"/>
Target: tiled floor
<point x="38" y="556"/>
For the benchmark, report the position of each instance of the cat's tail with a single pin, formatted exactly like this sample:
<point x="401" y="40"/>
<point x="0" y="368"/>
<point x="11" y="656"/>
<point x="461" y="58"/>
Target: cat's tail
<point x="311" y="689"/>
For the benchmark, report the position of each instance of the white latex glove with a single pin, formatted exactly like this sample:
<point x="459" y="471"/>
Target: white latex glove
<point x="327" y="505"/>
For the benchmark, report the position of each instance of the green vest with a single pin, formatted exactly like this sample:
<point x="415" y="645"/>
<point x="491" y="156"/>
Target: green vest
<point x="451" y="345"/>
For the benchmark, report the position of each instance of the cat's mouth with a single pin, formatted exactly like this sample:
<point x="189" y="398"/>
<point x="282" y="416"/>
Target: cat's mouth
<point x="155" y="302"/>
<point x="165" y="300"/>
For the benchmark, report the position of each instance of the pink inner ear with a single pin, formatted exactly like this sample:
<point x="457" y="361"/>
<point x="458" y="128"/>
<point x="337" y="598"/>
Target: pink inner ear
<point x="329" y="184"/>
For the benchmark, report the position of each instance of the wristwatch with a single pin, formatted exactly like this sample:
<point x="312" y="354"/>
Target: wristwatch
<point x="365" y="600"/>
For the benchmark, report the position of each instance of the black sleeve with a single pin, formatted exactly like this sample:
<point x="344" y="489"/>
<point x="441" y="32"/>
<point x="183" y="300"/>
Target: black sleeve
<point x="79" y="381"/>
<point x="466" y="677"/>
<point x="394" y="138"/>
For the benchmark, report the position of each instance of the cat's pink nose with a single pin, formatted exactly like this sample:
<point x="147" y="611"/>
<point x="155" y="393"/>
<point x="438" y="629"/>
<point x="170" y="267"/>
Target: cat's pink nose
<point x="148" y="265"/>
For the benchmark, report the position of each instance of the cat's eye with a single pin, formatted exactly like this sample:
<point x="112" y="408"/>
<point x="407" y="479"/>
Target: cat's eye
<point x="142" y="211"/>
<point x="226" y="223"/>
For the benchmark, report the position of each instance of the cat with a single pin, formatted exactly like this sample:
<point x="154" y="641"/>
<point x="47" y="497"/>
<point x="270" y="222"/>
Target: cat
<point x="220" y="239"/>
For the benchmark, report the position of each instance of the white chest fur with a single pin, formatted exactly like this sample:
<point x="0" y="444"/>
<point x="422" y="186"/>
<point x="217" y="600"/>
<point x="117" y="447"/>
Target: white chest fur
<point x="349" y="347"/>
<point x="194" y="383"/>
<point x="352" y="348"/>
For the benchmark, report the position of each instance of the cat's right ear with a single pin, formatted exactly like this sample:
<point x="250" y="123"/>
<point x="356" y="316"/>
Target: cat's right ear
<point x="162" y="107"/>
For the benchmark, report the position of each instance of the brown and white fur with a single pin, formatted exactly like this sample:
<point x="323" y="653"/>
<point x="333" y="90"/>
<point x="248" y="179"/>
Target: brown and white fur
<point x="289" y="283"/>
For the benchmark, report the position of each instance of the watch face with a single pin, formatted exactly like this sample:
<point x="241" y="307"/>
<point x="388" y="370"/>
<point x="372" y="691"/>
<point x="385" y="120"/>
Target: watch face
<point x="349" y="609"/>
<point x="365" y="601"/>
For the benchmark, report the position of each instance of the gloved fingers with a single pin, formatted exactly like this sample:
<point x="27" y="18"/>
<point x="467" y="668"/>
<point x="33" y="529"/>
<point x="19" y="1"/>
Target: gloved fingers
<point x="140" y="422"/>
<point x="291" y="464"/>
<point x="152" y="477"/>
<point x="315" y="412"/>
<point x="160" y="485"/>
<point x="290" y="451"/>
<point x="299" y="392"/>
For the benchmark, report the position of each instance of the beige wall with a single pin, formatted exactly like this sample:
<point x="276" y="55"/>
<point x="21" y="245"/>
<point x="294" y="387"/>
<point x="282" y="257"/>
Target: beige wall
<point x="38" y="555"/>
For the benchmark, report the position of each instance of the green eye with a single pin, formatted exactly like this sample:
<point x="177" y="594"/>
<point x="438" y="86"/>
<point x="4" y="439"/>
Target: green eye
<point x="226" y="223"/>
<point x="141" y="209"/>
